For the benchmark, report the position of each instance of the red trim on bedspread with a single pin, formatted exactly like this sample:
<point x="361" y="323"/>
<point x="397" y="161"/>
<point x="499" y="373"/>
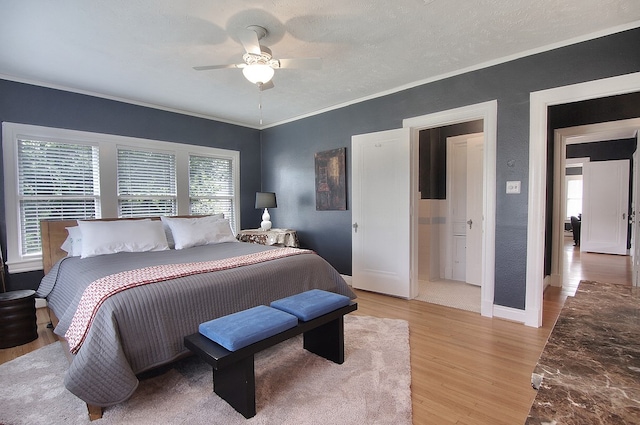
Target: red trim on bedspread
<point x="98" y="291"/>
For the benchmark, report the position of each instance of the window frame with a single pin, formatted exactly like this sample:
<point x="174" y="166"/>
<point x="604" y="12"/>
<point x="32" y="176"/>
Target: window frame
<point x="567" y="179"/>
<point x="108" y="146"/>
<point x="36" y="199"/>
<point x="234" y="220"/>
<point x="121" y="197"/>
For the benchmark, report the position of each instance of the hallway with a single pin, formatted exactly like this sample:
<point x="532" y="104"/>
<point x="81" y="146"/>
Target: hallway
<point x="605" y="268"/>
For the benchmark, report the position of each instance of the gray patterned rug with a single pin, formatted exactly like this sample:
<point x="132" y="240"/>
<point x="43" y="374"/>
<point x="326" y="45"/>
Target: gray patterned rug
<point x="293" y="386"/>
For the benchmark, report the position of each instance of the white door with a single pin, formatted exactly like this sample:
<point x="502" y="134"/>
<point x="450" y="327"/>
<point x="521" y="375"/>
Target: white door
<point x="475" y="222"/>
<point x="459" y="258"/>
<point x="457" y="196"/>
<point x="605" y="203"/>
<point x="381" y="211"/>
<point x="465" y="194"/>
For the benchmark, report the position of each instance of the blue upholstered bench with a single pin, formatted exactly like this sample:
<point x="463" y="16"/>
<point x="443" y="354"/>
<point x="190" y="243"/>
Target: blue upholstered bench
<point x="245" y="327"/>
<point x="311" y="304"/>
<point x="229" y="343"/>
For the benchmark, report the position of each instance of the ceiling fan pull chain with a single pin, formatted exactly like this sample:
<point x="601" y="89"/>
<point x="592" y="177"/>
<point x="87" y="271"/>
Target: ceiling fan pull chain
<point x="260" y="105"/>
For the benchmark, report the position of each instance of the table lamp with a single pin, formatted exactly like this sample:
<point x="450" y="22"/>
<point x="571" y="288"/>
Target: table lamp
<point x="265" y="200"/>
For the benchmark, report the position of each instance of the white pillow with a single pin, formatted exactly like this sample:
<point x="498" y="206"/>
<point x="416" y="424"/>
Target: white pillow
<point x="67" y="246"/>
<point x="73" y="244"/>
<point x="188" y="232"/>
<point x="109" y="237"/>
<point x="167" y="229"/>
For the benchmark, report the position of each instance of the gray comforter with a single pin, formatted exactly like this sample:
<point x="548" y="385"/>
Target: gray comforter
<point x="143" y="327"/>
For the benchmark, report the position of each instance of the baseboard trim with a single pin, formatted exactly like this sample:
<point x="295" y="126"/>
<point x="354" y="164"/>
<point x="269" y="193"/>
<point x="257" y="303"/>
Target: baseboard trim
<point x="487" y="309"/>
<point x="508" y="313"/>
<point x="552" y="280"/>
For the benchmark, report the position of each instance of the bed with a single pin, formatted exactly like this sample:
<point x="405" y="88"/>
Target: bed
<point x="142" y="327"/>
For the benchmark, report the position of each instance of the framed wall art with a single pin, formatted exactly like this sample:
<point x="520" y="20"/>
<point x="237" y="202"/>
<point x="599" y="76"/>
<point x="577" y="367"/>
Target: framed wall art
<point x="331" y="185"/>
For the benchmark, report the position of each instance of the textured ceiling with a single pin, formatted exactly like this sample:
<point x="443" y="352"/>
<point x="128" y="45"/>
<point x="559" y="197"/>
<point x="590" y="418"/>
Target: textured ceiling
<point x="143" y="51"/>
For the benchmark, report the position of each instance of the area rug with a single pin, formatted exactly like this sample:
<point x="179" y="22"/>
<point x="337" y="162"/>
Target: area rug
<point x="293" y="386"/>
<point x="449" y="293"/>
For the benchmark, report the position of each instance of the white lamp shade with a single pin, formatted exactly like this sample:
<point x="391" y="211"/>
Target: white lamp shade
<point x="258" y="73"/>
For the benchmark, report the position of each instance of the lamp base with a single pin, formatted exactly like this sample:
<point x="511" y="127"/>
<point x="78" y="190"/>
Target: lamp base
<point x="266" y="221"/>
<point x="265" y="225"/>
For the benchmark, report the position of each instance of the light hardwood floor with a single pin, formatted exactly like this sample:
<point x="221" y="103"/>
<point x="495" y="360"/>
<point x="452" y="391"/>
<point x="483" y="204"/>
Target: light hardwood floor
<point x="465" y="369"/>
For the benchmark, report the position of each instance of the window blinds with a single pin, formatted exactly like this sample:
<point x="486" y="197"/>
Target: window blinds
<point x="211" y="186"/>
<point x="55" y="174"/>
<point x="146" y="183"/>
<point x="56" y="181"/>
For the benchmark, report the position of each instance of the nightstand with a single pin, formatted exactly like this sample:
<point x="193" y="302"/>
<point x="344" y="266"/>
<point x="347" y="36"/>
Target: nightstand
<point x="277" y="237"/>
<point x="17" y="318"/>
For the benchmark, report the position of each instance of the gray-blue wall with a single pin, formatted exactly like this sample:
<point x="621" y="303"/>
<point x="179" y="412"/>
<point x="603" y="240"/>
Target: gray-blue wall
<point x="288" y="150"/>
<point x="28" y="104"/>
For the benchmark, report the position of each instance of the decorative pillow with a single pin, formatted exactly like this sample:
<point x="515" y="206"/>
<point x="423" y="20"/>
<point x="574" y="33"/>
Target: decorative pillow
<point x="109" y="237"/>
<point x="167" y="229"/>
<point x="73" y="244"/>
<point x="188" y="232"/>
<point x="67" y="246"/>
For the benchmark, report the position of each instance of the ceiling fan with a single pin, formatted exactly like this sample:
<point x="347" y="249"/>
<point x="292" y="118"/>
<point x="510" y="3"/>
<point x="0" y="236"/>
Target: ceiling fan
<point x="259" y="64"/>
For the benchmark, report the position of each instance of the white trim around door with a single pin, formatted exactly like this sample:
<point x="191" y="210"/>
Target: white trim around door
<point x="601" y="132"/>
<point x="539" y="102"/>
<point x="488" y="112"/>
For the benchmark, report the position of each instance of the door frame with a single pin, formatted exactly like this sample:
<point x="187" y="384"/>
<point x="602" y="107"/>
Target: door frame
<point x="635" y="222"/>
<point x="589" y="133"/>
<point x="539" y="102"/>
<point x="488" y="112"/>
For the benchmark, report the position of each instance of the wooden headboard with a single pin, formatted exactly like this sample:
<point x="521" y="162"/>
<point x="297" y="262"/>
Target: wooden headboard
<point x="54" y="233"/>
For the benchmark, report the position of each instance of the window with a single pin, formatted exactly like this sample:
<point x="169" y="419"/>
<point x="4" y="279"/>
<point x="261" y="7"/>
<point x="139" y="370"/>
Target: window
<point x="210" y="188"/>
<point x="52" y="173"/>
<point x="146" y="183"/>
<point x="574" y="196"/>
<point x="55" y="181"/>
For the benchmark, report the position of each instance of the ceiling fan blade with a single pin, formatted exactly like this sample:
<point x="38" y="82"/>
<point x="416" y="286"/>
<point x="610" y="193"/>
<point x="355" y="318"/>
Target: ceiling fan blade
<point x="266" y="86"/>
<point x="301" y="63"/>
<point x="207" y="67"/>
<point x="250" y="41"/>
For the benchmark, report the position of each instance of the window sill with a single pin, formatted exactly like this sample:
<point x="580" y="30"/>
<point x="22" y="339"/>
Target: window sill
<point x="22" y="266"/>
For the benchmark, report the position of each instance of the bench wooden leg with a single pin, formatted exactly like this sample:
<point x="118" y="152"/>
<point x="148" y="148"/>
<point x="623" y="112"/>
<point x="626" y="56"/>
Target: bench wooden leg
<point x="236" y="384"/>
<point x="327" y="340"/>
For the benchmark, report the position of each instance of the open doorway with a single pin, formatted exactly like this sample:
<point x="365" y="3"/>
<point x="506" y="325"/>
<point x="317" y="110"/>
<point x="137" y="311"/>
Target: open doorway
<point x="487" y="113"/>
<point x="395" y="270"/>
<point x="619" y="88"/>
<point x="450" y="201"/>
<point x="575" y="148"/>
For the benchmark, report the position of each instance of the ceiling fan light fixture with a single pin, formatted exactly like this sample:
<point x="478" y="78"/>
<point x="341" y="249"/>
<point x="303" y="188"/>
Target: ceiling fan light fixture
<point x="258" y="73"/>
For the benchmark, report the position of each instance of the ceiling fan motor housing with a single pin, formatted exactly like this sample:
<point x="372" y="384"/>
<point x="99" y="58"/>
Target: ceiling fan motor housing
<point x="265" y="58"/>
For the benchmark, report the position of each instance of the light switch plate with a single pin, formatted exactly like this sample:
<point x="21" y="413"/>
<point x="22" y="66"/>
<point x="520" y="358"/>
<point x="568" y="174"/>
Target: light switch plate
<point x="513" y="187"/>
